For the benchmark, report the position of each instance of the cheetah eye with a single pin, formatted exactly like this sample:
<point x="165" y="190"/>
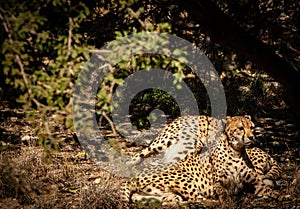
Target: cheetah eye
<point x="241" y="128"/>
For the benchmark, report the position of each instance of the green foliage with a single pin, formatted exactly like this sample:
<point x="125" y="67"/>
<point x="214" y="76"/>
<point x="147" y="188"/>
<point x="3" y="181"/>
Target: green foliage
<point x="130" y="64"/>
<point x="42" y="60"/>
<point x="45" y="44"/>
<point x="147" y="101"/>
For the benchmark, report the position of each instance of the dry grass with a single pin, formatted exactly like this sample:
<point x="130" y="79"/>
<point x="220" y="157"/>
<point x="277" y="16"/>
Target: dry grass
<point x="27" y="180"/>
<point x="32" y="178"/>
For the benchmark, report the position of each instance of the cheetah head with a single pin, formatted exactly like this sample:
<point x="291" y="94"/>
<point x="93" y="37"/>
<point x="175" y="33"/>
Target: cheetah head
<point x="239" y="130"/>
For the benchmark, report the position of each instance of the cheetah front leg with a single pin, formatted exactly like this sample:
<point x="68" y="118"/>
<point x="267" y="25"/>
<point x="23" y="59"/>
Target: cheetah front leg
<point x="264" y="191"/>
<point x="262" y="188"/>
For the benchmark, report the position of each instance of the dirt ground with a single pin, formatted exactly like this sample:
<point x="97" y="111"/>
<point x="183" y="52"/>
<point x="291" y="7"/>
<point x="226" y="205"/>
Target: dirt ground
<point x="66" y="178"/>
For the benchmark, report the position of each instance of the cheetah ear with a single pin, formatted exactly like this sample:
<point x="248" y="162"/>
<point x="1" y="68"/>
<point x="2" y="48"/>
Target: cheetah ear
<point x="228" y="118"/>
<point x="248" y="117"/>
<point x="224" y="120"/>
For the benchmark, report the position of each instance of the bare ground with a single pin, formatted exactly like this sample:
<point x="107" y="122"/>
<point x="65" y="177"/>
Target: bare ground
<point x="30" y="177"/>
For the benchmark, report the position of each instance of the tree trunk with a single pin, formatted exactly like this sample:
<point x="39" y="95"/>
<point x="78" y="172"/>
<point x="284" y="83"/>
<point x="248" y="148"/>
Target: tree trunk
<point x="223" y="30"/>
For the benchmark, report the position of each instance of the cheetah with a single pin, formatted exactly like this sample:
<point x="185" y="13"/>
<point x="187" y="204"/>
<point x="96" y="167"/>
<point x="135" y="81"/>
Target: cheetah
<point x="180" y="138"/>
<point x="194" y="132"/>
<point x="204" y="177"/>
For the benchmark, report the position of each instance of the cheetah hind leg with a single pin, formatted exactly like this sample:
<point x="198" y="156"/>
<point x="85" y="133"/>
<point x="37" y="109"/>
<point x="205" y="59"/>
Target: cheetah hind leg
<point x="206" y="202"/>
<point x="167" y="199"/>
<point x="137" y="158"/>
<point x="199" y="202"/>
<point x="171" y="199"/>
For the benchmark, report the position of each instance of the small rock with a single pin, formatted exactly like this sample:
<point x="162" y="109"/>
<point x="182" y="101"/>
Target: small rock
<point x="97" y="181"/>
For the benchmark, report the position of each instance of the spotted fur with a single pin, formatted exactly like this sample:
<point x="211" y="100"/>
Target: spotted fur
<point x="226" y="167"/>
<point x="180" y="138"/>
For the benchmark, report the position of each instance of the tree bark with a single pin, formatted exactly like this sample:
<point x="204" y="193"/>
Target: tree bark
<point x="223" y="30"/>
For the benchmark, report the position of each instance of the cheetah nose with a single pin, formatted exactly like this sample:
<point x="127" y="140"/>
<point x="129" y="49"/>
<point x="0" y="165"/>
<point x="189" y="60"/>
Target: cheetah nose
<point x="248" y="140"/>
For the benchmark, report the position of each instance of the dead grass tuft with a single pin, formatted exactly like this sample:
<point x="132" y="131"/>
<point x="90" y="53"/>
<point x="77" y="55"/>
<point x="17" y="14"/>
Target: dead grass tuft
<point x="62" y="182"/>
<point x="67" y="181"/>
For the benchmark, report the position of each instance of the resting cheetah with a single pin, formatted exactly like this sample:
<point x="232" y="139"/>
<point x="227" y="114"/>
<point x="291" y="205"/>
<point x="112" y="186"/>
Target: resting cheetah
<point x="203" y="178"/>
<point x="181" y="137"/>
<point x="194" y="131"/>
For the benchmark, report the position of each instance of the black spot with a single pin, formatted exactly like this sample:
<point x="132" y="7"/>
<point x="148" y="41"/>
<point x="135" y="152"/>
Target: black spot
<point x="169" y="143"/>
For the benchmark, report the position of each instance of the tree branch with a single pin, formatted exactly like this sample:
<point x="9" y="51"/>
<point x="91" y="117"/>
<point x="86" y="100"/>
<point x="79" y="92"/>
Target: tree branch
<point x="6" y="26"/>
<point x="110" y="122"/>
<point x="223" y="30"/>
